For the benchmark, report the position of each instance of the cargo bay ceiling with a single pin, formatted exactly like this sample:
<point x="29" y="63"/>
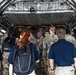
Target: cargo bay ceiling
<point x="38" y="12"/>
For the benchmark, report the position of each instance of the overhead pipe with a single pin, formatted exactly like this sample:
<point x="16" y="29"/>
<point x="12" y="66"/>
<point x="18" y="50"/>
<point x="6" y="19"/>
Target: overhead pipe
<point x="6" y="5"/>
<point x="71" y="4"/>
<point x="1" y="2"/>
<point x="74" y="2"/>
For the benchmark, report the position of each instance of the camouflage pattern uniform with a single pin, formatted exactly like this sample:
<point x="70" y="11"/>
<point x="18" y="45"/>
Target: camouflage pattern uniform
<point x="43" y="45"/>
<point x="70" y="38"/>
<point x="48" y="41"/>
<point x="33" y="39"/>
<point x="5" y="63"/>
<point x="39" y="67"/>
<point x="38" y="43"/>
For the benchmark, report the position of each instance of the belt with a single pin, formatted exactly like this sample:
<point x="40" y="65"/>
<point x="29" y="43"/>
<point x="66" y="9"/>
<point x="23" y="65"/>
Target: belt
<point x="65" y="65"/>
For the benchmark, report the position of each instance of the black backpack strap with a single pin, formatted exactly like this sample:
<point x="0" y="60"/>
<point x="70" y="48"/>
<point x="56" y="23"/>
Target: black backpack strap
<point x="28" y="48"/>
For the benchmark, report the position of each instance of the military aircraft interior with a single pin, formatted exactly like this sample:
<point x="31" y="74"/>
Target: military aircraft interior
<point x="33" y="14"/>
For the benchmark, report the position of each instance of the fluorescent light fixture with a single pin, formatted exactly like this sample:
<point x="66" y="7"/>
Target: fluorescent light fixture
<point x="3" y="31"/>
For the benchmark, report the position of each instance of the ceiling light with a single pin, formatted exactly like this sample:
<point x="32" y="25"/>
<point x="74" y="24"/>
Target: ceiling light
<point x="3" y="31"/>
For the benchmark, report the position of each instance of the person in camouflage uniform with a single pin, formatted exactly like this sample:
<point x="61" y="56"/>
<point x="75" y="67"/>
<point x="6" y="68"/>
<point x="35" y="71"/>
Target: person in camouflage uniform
<point x="69" y="37"/>
<point x="43" y="45"/>
<point x="49" y="39"/>
<point x="37" y="39"/>
<point x="7" y="43"/>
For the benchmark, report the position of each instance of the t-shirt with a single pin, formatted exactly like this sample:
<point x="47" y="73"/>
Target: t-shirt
<point x="63" y="53"/>
<point x="10" y="59"/>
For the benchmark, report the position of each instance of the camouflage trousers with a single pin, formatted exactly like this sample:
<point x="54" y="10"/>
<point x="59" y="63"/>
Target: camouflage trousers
<point x="1" y="71"/>
<point x="5" y="63"/>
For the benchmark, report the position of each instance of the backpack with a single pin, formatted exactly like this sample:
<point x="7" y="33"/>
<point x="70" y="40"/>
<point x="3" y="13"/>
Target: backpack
<point x="24" y="60"/>
<point x="8" y="44"/>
